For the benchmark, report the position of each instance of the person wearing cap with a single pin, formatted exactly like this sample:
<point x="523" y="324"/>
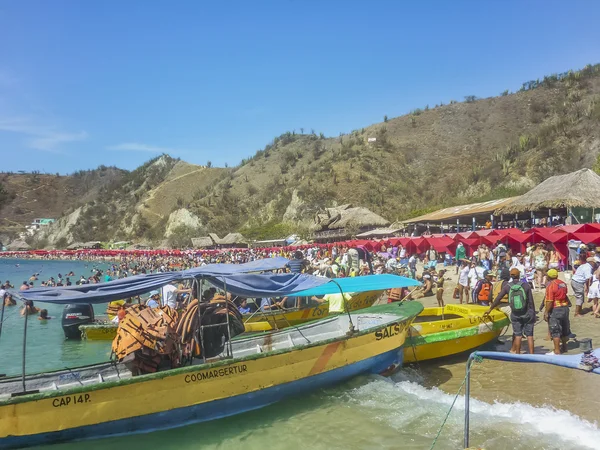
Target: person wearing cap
<point x="522" y="324"/>
<point x="557" y="312"/>
<point x="580" y="283"/>
<point x="476" y="274"/>
<point x="483" y="291"/>
<point x="154" y="300"/>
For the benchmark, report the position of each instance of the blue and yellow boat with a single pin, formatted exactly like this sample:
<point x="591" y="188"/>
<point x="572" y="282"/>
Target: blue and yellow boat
<point x="107" y="399"/>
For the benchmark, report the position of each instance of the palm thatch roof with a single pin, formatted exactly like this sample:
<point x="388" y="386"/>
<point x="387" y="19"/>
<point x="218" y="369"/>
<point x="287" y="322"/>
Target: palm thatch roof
<point x="203" y="242"/>
<point x="345" y="216"/>
<point x="215" y="237"/>
<point x="92" y="244"/>
<point x="579" y="189"/>
<point x="18" y="245"/>
<point x="233" y="238"/>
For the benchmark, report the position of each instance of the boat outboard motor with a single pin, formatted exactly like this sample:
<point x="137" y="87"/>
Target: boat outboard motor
<point x="75" y="315"/>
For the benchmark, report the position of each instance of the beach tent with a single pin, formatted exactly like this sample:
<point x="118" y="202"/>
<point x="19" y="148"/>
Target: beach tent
<point x="442" y="244"/>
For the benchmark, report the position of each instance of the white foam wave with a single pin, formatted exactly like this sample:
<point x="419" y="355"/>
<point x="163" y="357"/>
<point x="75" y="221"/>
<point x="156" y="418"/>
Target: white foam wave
<point x="428" y="405"/>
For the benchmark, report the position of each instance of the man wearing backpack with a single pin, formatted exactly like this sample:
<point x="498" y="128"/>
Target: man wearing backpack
<point x="483" y="291"/>
<point x="522" y="310"/>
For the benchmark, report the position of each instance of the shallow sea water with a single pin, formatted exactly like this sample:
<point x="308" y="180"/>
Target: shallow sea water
<point x="513" y="406"/>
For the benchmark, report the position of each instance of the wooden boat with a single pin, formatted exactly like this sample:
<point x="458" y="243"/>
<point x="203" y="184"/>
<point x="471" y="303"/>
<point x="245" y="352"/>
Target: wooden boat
<point x="99" y="331"/>
<point x="258" y="321"/>
<point x="105" y="399"/>
<point x="453" y="329"/>
<point x="277" y="320"/>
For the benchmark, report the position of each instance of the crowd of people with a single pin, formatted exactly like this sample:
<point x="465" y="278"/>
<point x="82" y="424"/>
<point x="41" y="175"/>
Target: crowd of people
<point x="486" y="277"/>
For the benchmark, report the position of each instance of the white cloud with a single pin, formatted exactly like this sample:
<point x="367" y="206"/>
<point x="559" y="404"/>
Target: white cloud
<point x="145" y="148"/>
<point x="139" y="147"/>
<point x="54" y="140"/>
<point x="39" y="136"/>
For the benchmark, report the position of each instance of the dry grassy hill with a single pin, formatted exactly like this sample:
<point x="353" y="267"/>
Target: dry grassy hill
<point x="24" y="197"/>
<point x="437" y="156"/>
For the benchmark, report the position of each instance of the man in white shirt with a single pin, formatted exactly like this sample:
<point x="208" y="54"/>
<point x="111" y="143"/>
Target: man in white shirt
<point x="580" y="282"/>
<point x="463" y="281"/>
<point x="169" y="296"/>
<point x="475" y="274"/>
<point x="517" y="263"/>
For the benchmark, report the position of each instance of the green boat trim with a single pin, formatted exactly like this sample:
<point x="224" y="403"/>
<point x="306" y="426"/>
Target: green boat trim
<point x="457" y="334"/>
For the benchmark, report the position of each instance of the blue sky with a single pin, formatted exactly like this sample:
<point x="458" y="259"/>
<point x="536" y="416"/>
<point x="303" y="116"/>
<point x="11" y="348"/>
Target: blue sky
<point x="84" y="83"/>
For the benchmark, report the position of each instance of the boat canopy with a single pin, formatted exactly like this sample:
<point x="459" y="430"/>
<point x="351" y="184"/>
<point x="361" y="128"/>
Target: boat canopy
<point x="141" y="284"/>
<point x="359" y="284"/>
<point x="243" y="285"/>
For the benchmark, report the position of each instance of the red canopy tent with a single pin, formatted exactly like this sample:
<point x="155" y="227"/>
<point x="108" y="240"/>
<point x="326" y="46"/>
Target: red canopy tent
<point x="587" y="238"/>
<point x="442" y="244"/>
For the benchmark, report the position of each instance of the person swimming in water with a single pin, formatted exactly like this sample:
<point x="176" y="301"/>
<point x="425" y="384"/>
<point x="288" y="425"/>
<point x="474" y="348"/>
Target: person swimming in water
<point x="44" y="315"/>
<point x="29" y="309"/>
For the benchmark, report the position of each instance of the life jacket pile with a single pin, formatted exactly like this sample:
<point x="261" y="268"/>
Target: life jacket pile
<point x="151" y="339"/>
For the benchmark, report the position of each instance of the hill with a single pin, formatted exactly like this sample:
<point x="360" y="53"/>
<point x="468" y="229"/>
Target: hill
<point x="26" y="196"/>
<point x="434" y="157"/>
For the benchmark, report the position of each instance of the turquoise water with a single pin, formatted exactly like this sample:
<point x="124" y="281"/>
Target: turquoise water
<point x="47" y="348"/>
<point x="514" y="406"/>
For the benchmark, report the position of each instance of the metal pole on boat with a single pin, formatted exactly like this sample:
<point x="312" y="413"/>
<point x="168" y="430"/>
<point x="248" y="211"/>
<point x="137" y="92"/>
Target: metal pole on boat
<point x="200" y="293"/>
<point x="467" y="395"/>
<point x="24" y="347"/>
<point x="2" y="315"/>
<point x="351" y="325"/>
<point x="229" y="347"/>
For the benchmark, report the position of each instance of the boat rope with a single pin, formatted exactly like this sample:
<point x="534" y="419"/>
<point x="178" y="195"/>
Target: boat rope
<point x="476" y="359"/>
<point x="414" y="348"/>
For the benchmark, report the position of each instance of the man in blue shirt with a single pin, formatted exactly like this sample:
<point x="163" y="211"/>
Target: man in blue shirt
<point x="244" y="308"/>
<point x="153" y="301"/>
<point x="298" y="264"/>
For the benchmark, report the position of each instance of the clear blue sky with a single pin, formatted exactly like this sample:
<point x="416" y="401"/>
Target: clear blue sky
<point x="84" y="83"/>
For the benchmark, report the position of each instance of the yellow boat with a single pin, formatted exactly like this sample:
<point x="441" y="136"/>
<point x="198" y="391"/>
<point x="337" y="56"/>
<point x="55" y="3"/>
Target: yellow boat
<point x="258" y="321"/>
<point x="453" y="329"/>
<point x="267" y="321"/>
<point x="106" y="399"/>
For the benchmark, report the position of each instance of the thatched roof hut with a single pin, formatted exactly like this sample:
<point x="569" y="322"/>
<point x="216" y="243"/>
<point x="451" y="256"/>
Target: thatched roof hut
<point x="203" y="242"/>
<point x="75" y="246"/>
<point x="234" y="239"/>
<point x="18" y="245"/>
<point x="347" y="216"/>
<point x="92" y="245"/>
<point x="574" y="190"/>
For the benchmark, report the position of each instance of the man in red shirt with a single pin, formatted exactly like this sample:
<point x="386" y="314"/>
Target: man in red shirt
<point x="557" y="312"/>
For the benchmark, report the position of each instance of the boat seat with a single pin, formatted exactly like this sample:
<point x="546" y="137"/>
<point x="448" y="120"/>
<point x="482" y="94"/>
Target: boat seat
<point x="258" y="349"/>
<point x="290" y="340"/>
<point x="54" y="386"/>
<point x="100" y="378"/>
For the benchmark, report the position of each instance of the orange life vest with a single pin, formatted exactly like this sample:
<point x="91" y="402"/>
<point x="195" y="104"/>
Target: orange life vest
<point x="484" y="291"/>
